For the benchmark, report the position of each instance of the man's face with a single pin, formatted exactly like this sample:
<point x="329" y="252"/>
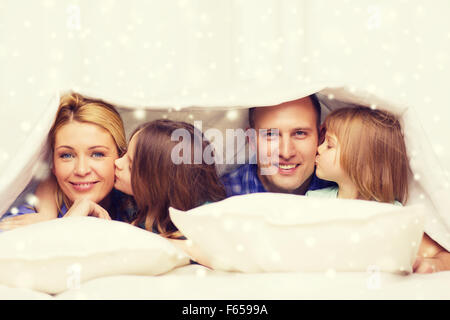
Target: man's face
<point x="290" y="130"/>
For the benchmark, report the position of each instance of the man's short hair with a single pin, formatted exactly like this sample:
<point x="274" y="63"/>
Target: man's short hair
<point x="315" y="102"/>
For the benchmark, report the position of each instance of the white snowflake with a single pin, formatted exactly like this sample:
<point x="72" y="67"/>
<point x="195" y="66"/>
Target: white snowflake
<point x="25" y="126"/>
<point x="232" y="115"/>
<point x="200" y="273"/>
<point x="330" y="273"/>
<point x="32" y="200"/>
<point x="275" y="256"/>
<point x="310" y="242"/>
<point x="355" y="237"/>
<point x="139" y="114"/>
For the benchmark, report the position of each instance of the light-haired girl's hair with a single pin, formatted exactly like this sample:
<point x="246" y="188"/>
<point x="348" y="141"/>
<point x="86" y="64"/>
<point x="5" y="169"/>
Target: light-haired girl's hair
<point x="372" y="152"/>
<point x="75" y="107"/>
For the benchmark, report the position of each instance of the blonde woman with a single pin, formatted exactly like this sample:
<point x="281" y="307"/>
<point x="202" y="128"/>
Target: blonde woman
<point x="365" y="154"/>
<point x="86" y="138"/>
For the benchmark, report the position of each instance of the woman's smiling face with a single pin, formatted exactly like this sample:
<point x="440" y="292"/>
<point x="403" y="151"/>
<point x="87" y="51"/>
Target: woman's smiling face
<point x="83" y="161"/>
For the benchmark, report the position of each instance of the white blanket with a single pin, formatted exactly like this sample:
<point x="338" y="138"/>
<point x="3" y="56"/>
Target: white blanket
<point x="195" y="282"/>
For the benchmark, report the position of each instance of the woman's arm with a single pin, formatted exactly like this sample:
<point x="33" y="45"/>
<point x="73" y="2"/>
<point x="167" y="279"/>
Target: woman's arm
<point x="431" y="257"/>
<point x="46" y="208"/>
<point x="85" y="207"/>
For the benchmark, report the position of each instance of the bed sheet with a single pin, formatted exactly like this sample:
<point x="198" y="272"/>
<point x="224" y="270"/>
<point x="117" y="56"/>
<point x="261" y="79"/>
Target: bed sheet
<point x="195" y="282"/>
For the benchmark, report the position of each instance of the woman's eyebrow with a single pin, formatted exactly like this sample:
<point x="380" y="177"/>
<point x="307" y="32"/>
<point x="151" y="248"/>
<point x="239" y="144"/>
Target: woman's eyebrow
<point x="68" y="147"/>
<point x="95" y="147"/>
<point x="90" y="148"/>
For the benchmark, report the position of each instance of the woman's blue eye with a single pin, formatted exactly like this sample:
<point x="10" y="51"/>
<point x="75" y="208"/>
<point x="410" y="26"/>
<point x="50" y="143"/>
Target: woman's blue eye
<point x="65" y="155"/>
<point x="98" y="154"/>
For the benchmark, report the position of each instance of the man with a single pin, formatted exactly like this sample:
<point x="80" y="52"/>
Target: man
<point x="294" y="128"/>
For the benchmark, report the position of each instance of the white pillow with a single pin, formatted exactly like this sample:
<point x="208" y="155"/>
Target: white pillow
<point x="60" y="254"/>
<point x="269" y="232"/>
<point x="8" y="293"/>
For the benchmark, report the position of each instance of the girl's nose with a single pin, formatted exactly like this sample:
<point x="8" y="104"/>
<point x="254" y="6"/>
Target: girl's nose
<point x="320" y="148"/>
<point x="117" y="163"/>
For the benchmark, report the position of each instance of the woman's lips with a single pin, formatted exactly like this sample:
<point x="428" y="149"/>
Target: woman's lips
<point x="83" y="186"/>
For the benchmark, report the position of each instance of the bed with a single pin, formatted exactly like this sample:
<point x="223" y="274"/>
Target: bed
<point x="195" y="282"/>
<point x="366" y="253"/>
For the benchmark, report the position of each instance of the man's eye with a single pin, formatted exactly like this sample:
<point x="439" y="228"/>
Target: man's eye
<point x="269" y="133"/>
<point x="300" y="133"/>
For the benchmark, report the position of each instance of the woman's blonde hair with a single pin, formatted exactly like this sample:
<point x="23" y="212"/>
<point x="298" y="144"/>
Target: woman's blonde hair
<point x="75" y="107"/>
<point x="372" y="152"/>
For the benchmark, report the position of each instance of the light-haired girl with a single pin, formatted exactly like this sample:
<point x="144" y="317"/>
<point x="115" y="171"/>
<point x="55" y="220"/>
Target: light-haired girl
<point x="364" y="152"/>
